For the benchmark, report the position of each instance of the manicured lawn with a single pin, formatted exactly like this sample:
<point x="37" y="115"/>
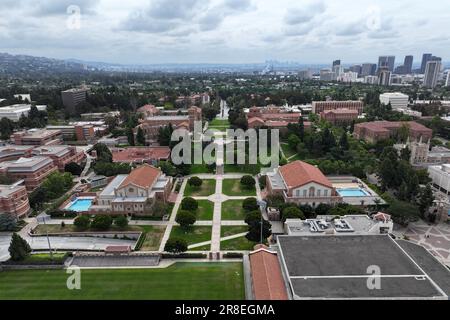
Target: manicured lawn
<point x="205" y="211"/>
<point x="202" y="248"/>
<point x="288" y="152"/>
<point x="182" y="281"/>
<point x="201" y="168"/>
<point x="153" y="236"/>
<point x="219" y="122"/>
<point x="227" y="231"/>
<point x="196" y="234"/>
<point x="208" y="188"/>
<point x="232" y="210"/>
<point x="238" y="244"/>
<point x="252" y="169"/>
<point x="232" y="187"/>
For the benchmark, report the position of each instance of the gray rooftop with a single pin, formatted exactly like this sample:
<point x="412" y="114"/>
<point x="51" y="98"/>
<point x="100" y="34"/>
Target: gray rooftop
<point x="109" y="190"/>
<point x="331" y="267"/>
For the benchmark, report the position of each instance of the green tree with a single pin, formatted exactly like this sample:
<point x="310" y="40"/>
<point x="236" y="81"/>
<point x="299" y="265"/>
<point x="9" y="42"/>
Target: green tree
<point x="82" y="222"/>
<point x="57" y="184"/>
<point x="250" y="204"/>
<point x="301" y="129"/>
<point x="292" y="213"/>
<point x="140" y="137"/>
<point x="174" y="245"/>
<point x="73" y="168"/>
<point x="343" y="142"/>
<point x="130" y="136"/>
<point x="6" y="128"/>
<point x="185" y="219"/>
<point x="103" y="152"/>
<point x="101" y="222"/>
<point x="293" y="141"/>
<point x="189" y="204"/>
<point x="19" y="249"/>
<point x="405" y="154"/>
<point x="322" y="209"/>
<point x="121" y="222"/>
<point x="8" y="222"/>
<point x="195" y="182"/>
<point x="426" y="199"/>
<point x="248" y="182"/>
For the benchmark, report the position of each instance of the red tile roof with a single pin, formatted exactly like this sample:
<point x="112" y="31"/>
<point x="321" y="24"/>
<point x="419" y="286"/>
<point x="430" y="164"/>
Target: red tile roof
<point x="144" y="177"/>
<point x="267" y="280"/>
<point x="139" y="154"/>
<point x="299" y="173"/>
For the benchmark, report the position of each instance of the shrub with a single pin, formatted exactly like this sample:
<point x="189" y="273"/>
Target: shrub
<point x="101" y="222"/>
<point x="292" y="213"/>
<point x="121" y="222"/>
<point x="74" y="168"/>
<point x="176" y="246"/>
<point x="189" y="204"/>
<point x="82" y="222"/>
<point x="233" y="255"/>
<point x="250" y="204"/>
<point x="185" y="219"/>
<point x="248" y="182"/>
<point x="323" y="209"/>
<point x="195" y="182"/>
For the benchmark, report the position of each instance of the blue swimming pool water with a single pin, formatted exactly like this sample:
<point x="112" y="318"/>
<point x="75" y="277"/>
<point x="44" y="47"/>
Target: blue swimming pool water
<point x="352" y="192"/>
<point x="80" y="205"/>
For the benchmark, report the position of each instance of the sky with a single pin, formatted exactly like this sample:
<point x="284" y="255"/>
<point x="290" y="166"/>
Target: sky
<point x="225" y="31"/>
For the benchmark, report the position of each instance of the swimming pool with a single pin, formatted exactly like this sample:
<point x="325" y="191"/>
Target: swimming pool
<point x="80" y="205"/>
<point x="352" y="192"/>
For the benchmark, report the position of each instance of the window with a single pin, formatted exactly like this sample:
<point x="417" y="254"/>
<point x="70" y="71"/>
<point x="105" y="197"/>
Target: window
<point x="312" y="192"/>
<point x="130" y="190"/>
<point x="319" y="193"/>
<point x="304" y="193"/>
<point x="297" y="193"/>
<point x="325" y="193"/>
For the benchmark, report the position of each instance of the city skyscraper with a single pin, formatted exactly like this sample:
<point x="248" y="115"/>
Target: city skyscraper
<point x="368" y="69"/>
<point x="425" y="58"/>
<point x="407" y="65"/>
<point x="336" y="63"/>
<point x="386" y="62"/>
<point x="447" y="82"/>
<point x="432" y="73"/>
<point x="384" y="77"/>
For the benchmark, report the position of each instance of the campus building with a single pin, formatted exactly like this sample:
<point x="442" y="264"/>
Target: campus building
<point x="16" y="111"/>
<point x="38" y="137"/>
<point x="141" y="155"/>
<point x="382" y="130"/>
<point x="73" y="97"/>
<point x="339" y="116"/>
<point x="440" y="176"/>
<point x="320" y="106"/>
<point x="301" y="183"/>
<point x="61" y="155"/>
<point x="33" y="171"/>
<point x="273" y="117"/>
<point x="78" y="132"/>
<point x="133" y="194"/>
<point x="13" y="152"/>
<point x="14" y="200"/>
<point x="151" y="125"/>
<point x="397" y="100"/>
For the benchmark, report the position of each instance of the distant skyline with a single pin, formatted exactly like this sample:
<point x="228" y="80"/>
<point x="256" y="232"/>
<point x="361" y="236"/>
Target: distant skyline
<point x="226" y="31"/>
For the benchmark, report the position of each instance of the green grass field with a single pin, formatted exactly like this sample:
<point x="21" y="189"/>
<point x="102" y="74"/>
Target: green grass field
<point x="232" y="210"/>
<point x="196" y="234"/>
<point x="208" y="188"/>
<point x="238" y="244"/>
<point x="182" y="281"/>
<point x="232" y="187"/>
<point x="219" y="122"/>
<point x="227" y="231"/>
<point x="205" y="210"/>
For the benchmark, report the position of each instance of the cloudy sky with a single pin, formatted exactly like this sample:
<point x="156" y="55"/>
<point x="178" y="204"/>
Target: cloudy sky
<point x="225" y="31"/>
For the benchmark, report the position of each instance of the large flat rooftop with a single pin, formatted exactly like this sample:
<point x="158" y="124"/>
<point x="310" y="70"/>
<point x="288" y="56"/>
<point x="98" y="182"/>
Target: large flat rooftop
<point x="336" y="267"/>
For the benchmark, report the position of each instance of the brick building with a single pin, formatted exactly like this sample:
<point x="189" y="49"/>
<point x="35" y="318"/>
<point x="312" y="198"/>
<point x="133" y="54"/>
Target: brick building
<point x="339" y="116"/>
<point x="14" y="200"/>
<point x="61" y="155"/>
<point x="151" y="125"/>
<point x="382" y="130"/>
<point x="320" y="106"/>
<point x="140" y="155"/>
<point x="33" y="171"/>
<point x="273" y="117"/>
<point x="38" y="137"/>
<point x="13" y="152"/>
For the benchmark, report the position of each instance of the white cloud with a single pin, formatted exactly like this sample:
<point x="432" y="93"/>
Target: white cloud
<point x="154" y="31"/>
